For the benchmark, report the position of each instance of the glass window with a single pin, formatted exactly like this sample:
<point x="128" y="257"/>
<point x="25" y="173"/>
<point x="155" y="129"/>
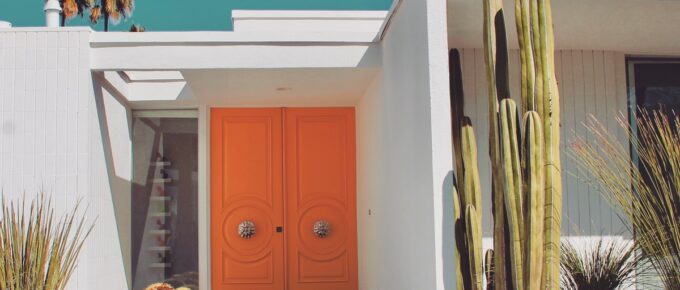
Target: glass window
<point x="164" y="201"/>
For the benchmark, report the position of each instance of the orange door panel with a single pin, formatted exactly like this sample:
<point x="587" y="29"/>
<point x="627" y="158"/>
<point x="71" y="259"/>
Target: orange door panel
<point x="320" y="188"/>
<point x="246" y="188"/>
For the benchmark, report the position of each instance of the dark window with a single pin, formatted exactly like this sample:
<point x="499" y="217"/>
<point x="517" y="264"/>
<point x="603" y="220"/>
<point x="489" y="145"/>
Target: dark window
<point x="657" y="85"/>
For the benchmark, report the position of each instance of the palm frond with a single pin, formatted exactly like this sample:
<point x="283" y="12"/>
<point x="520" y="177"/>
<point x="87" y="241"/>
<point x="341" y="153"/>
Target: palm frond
<point x="69" y="8"/>
<point x="95" y="13"/>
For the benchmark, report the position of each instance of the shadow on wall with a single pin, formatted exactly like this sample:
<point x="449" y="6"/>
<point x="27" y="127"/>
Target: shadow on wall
<point x="448" y="244"/>
<point x="119" y="187"/>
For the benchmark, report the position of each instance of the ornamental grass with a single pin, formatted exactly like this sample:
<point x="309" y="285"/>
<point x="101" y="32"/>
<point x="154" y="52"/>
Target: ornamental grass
<point x="645" y="191"/>
<point x="37" y="249"/>
<point x="605" y="266"/>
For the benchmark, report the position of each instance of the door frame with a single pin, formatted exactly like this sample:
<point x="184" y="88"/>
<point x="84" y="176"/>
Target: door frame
<point x="204" y="197"/>
<point x="631" y="61"/>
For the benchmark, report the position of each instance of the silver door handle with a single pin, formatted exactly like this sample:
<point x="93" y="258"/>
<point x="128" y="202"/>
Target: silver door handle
<point x="322" y="228"/>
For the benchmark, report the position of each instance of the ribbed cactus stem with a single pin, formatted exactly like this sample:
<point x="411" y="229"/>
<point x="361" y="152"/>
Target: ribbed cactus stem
<point x="457" y="104"/>
<point x="489" y="269"/>
<point x="472" y="189"/>
<point x="553" y="167"/>
<point x="523" y="23"/>
<point x="491" y="13"/>
<point x="474" y="239"/>
<point x="512" y="186"/>
<point x="535" y="201"/>
<point x="459" y="233"/>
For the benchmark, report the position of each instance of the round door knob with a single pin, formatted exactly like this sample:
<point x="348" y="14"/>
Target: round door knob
<point x="246" y="229"/>
<point x="322" y="228"/>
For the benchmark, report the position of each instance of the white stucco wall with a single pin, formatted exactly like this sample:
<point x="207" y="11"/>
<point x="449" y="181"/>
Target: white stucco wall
<point x="404" y="156"/>
<point x="44" y="111"/>
<point x="110" y="157"/>
<point x="51" y="140"/>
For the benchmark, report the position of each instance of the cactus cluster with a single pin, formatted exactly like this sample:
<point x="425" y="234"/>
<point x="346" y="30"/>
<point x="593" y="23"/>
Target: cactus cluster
<point x="526" y="183"/>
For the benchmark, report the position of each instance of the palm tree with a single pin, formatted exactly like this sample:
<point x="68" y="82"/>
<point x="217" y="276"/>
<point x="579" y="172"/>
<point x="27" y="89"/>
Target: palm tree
<point x="71" y="8"/>
<point x="137" y="28"/>
<point x="111" y="10"/>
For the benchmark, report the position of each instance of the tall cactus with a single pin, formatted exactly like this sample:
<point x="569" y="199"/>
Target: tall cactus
<point x="537" y="49"/>
<point x="535" y="201"/>
<point x="511" y="178"/>
<point x="526" y="183"/>
<point x="489" y="269"/>
<point x="474" y="239"/>
<point x="467" y="196"/>
<point x="492" y="11"/>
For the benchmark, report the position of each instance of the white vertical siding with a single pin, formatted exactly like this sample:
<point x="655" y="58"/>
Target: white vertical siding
<point x="591" y="83"/>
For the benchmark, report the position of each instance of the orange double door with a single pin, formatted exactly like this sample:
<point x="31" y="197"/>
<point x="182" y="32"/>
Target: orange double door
<point x="283" y="199"/>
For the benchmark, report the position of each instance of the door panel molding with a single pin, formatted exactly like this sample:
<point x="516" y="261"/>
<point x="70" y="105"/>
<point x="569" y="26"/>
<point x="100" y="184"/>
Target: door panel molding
<point x="246" y="186"/>
<point x="320" y="186"/>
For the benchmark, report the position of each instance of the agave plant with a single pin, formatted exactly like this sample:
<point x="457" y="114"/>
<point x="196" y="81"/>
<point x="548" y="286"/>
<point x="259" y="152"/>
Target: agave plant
<point x="37" y="249"/>
<point x="647" y="191"/>
<point x="606" y="266"/>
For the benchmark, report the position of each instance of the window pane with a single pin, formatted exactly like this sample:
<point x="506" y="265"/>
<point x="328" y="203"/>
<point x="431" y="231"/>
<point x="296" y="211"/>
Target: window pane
<point x="164" y="202"/>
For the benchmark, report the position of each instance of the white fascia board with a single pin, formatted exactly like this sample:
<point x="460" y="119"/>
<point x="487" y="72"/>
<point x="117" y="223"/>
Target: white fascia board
<point x="182" y="57"/>
<point x="48" y="29"/>
<point x="221" y="37"/>
<point x="308" y="21"/>
<point x="307" y="14"/>
<point x="151" y="76"/>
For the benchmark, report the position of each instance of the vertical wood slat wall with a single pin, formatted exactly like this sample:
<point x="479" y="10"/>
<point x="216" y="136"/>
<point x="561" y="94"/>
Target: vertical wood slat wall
<point x="591" y="83"/>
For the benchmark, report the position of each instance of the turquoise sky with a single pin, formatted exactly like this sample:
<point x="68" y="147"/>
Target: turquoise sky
<point x="174" y="15"/>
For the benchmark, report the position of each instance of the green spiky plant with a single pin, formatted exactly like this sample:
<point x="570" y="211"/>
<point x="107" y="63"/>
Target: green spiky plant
<point x="606" y="266"/>
<point x="526" y="182"/>
<point x="37" y="249"/>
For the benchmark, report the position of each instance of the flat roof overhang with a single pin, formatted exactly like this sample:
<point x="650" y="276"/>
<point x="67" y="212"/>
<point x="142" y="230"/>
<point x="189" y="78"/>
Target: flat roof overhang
<point x="631" y="26"/>
<point x="224" y="50"/>
<point x="186" y="69"/>
<point x="272" y="58"/>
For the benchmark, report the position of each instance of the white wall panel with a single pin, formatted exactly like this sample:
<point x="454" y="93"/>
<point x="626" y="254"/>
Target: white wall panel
<point x="404" y="158"/>
<point x="50" y="140"/>
<point x="592" y="83"/>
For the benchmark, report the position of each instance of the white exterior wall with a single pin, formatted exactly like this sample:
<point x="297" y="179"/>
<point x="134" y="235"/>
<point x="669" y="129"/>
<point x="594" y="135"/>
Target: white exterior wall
<point x="44" y="112"/>
<point x="110" y="159"/>
<point x="404" y="156"/>
<point x="51" y="140"/>
<point x="590" y="83"/>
